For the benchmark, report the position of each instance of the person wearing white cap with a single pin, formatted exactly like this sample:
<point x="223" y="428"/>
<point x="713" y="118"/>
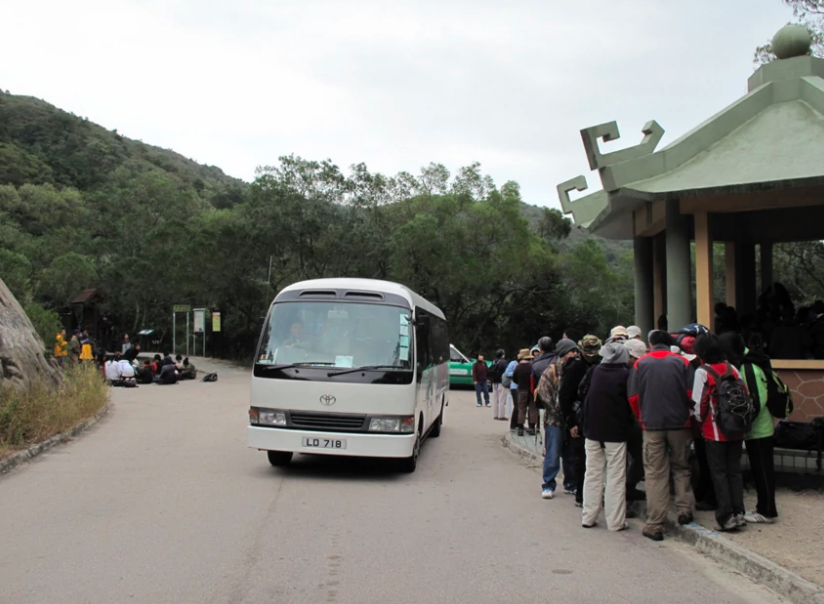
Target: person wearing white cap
<point x="618" y="334"/>
<point x="633" y="332"/>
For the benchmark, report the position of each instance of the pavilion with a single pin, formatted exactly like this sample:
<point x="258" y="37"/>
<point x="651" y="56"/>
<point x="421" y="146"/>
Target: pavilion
<point x="750" y="176"/>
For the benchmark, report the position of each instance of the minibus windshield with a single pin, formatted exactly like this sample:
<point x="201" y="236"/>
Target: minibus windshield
<point x="336" y="334"/>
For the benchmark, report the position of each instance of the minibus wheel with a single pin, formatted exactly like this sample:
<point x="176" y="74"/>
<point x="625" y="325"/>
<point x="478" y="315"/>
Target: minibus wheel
<point x="408" y="464"/>
<point x="279" y="458"/>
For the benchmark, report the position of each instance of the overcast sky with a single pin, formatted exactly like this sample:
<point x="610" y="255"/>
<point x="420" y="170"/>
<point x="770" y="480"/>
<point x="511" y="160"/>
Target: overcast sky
<point x="395" y="84"/>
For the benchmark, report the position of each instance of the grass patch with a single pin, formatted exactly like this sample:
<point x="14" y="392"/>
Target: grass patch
<point x="43" y="410"/>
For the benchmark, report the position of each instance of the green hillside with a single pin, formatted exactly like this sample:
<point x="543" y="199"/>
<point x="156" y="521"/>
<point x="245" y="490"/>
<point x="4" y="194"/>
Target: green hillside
<point x="41" y="144"/>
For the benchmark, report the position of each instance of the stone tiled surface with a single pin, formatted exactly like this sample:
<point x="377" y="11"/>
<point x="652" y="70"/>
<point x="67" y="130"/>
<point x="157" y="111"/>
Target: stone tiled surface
<point x="808" y="392"/>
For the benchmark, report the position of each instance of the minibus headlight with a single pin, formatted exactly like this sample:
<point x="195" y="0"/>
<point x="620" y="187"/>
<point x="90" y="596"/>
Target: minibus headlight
<point x="269" y="417"/>
<point x="392" y="424"/>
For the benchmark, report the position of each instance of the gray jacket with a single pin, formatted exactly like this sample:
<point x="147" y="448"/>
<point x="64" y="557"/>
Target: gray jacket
<point x="659" y="391"/>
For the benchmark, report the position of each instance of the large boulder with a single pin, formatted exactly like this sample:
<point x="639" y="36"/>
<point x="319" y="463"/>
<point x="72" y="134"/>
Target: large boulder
<point x="22" y="357"/>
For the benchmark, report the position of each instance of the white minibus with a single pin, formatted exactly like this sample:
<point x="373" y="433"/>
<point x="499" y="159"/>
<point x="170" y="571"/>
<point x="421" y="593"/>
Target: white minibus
<point x="349" y="367"/>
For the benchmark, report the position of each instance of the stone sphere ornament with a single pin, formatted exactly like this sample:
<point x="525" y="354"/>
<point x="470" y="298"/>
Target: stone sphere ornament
<point x="791" y="41"/>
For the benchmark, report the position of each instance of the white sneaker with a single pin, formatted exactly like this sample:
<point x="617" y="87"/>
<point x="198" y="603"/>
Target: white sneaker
<point x="547" y="493"/>
<point x="753" y="517"/>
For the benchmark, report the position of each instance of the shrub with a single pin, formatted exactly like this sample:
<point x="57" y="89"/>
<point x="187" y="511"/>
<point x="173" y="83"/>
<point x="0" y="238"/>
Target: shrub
<point x="43" y="410"/>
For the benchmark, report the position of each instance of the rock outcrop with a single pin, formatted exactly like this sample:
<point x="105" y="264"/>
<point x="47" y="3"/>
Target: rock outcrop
<point x="21" y="350"/>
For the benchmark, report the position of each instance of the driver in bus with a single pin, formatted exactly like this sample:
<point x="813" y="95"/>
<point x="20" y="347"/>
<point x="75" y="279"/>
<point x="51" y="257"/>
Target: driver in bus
<point x="295" y="339"/>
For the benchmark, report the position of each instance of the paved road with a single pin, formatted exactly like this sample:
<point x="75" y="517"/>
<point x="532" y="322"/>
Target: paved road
<point x="162" y="502"/>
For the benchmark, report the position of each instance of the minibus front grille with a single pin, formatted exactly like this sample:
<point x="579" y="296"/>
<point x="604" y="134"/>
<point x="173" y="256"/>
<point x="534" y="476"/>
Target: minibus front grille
<point x="327" y="421"/>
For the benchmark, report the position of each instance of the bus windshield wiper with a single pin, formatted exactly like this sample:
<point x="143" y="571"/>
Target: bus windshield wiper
<point x="364" y="368"/>
<point x="302" y="364"/>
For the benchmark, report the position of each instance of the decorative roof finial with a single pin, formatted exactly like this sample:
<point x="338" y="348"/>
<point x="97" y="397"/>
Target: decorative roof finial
<point x="791" y="41"/>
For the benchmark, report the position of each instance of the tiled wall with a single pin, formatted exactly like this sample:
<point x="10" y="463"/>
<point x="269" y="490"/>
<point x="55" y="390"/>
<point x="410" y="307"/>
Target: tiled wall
<point x="808" y="392"/>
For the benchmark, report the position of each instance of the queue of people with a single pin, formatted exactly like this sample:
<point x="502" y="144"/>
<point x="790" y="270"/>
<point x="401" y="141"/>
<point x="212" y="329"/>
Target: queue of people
<point x="619" y="412"/>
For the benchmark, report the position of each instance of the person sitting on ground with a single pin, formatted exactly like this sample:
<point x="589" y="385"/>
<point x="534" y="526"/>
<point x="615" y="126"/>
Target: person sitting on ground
<point x="144" y="374"/>
<point x="480" y="377"/>
<point x="723" y="452"/>
<point x="546" y="395"/>
<point x="167" y="359"/>
<point x="660" y="399"/>
<point x="179" y="362"/>
<point x="522" y="376"/>
<point x="607" y="421"/>
<point x="575" y="370"/>
<point x="188" y="371"/>
<point x="112" y="371"/>
<point x="126" y="368"/>
<point x="168" y="375"/>
<point x="157" y="362"/>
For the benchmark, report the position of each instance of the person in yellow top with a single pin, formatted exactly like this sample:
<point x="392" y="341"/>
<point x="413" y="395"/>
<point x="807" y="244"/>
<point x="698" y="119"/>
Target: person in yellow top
<point x="87" y="353"/>
<point x="61" y="347"/>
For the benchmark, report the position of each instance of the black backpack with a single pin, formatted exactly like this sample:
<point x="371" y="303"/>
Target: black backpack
<point x="210" y="377"/>
<point x="779" y="396"/>
<point x="734" y="410"/>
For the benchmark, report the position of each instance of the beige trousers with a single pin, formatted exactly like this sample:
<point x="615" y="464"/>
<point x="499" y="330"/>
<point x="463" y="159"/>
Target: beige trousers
<point x="605" y="480"/>
<point x="667" y="451"/>
<point x="499" y="400"/>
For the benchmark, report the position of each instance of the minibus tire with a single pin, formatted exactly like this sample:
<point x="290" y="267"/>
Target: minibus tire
<point x="279" y="458"/>
<point x="408" y="465"/>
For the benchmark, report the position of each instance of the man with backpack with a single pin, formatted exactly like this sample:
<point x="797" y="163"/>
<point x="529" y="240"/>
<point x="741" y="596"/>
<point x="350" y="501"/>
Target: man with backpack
<point x="724" y="409"/>
<point x="660" y="398"/>
<point x="499" y="391"/>
<point x="575" y="370"/>
<point x="546" y="397"/>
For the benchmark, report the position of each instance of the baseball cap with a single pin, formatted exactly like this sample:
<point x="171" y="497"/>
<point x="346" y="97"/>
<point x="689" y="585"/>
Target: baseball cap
<point x="633" y="331"/>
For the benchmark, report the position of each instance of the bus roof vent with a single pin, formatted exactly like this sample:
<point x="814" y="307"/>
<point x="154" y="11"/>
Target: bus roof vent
<point x="317" y="293"/>
<point x="363" y="295"/>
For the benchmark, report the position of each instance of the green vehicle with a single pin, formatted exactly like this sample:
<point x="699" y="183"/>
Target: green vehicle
<point x="460" y="368"/>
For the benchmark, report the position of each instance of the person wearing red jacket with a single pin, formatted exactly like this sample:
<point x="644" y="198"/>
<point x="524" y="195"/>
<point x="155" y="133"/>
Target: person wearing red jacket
<point x="723" y="452"/>
<point x="659" y="394"/>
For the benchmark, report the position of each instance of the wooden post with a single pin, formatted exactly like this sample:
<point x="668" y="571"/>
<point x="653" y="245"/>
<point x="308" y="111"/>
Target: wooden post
<point x="703" y="270"/>
<point x="729" y="265"/>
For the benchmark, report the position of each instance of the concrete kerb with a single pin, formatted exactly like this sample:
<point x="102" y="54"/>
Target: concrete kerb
<point x="15" y="459"/>
<point x="712" y="544"/>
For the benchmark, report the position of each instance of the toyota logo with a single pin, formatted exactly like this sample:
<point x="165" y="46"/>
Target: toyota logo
<point x="328" y="400"/>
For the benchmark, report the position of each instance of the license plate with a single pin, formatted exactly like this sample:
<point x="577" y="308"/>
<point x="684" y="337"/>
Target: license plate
<point x="324" y="443"/>
<point x="458" y="372"/>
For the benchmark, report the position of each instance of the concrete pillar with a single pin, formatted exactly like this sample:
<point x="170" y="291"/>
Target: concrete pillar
<point x="745" y="285"/>
<point x="729" y="276"/>
<point x="659" y="277"/>
<point x="644" y="306"/>
<point x="704" y="299"/>
<point x="766" y="266"/>
<point x="679" y="288"/>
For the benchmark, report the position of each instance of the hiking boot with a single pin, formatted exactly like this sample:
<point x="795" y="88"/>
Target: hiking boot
<point x="685" y="519"/>
<point x="705" y="506"/>
<point x="753" y="517"/>
<point x="654" y="535"/>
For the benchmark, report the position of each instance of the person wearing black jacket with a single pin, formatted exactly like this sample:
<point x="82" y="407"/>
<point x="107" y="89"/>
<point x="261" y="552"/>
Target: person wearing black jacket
<point x="574" y="371"/>
<point x="544" y="360"/>
<point x="607" y="421"/>
<point x="131" y="353"/>
<point x="523" y="378"/>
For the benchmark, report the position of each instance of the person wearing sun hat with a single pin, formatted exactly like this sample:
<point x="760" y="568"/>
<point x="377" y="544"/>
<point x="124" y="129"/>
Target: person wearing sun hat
<point x="522" y="376"/>
<point x="618" y="333"/>
<point x="574" y="453"/>
<point x="634" y="333"/>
